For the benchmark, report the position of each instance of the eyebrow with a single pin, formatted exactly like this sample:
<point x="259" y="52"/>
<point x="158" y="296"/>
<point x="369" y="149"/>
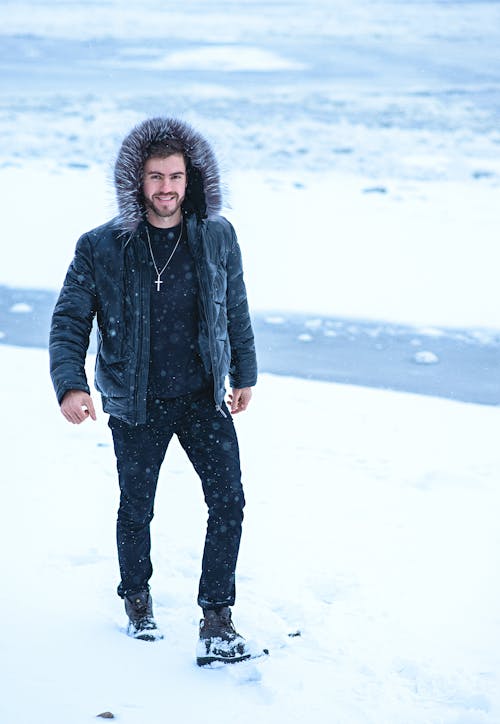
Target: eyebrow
<point x="160" y="173"/>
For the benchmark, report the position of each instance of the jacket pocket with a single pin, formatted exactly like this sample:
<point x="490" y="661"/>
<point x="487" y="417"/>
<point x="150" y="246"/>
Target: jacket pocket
<point x="111" y="374"/>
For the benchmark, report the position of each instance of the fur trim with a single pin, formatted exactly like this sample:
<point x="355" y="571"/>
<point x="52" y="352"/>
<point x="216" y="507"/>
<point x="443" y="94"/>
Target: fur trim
<point x="203" y="193"/>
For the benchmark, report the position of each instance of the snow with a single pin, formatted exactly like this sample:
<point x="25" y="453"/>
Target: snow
<point x="359" y="143"/>
<point x="21" y="308"/>
<point x="396" y="20"/>
<point x="394" y="257"/>
<point x="371" y="528"/>
<point x="221" y="57"/>
<point x="425" y="357"/>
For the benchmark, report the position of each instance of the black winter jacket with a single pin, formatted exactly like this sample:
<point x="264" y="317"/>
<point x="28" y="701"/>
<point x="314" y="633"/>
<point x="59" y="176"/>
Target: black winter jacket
<point x="110" y="278"/>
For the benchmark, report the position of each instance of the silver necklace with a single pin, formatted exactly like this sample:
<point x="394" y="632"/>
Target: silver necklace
<point x="159" y="272"/>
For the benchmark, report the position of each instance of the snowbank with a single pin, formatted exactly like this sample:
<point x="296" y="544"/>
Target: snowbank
<point x="318" y="243"/>
<point x="371" y="528"/>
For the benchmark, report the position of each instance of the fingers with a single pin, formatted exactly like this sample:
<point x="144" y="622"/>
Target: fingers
<point x="234" y="399"/>
<point x="74" y="414"/>
<point x="76" y="406"/>
<point x="240" y="399"/>
<point x="91" y="409"/>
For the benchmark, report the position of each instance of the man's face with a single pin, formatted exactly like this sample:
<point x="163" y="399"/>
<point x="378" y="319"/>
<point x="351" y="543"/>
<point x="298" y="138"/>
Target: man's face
<point x="164" y="188"/>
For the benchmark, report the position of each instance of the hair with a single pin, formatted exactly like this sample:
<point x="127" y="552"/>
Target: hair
<point x="163" y="149"/>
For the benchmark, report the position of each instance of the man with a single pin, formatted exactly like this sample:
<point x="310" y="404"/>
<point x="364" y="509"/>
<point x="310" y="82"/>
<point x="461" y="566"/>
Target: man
<point x="165" y="281"/>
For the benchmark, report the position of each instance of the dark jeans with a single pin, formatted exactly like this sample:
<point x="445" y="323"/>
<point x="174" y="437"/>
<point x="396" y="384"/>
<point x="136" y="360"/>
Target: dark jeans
<point x="210" y="442"/>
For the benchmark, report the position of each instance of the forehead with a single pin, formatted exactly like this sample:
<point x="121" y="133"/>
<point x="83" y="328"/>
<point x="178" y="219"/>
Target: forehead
<point x="167" y="165"/>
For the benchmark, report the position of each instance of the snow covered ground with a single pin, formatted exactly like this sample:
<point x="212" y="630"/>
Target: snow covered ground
<point x="408" y="257"/>
<point x="360" y="144"/>
<point x="371" y="528"/>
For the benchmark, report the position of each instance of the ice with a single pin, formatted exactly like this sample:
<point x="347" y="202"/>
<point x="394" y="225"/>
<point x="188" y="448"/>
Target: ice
<point x="21" y="308"/>
<point x="222" y="57"/>
<point x="425" y="357"/>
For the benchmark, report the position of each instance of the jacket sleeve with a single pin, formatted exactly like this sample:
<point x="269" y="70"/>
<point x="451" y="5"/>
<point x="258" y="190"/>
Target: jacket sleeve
<point x="243" y="366"/>
<point x="72" y="323"/>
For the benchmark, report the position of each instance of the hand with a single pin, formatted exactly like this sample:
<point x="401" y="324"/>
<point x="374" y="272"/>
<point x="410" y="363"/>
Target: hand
<point x="239" y="399"/>
<point x="76" y="406"/>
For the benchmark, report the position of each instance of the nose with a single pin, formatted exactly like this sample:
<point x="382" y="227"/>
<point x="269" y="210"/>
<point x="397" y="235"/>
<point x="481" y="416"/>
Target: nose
<point x="166" y="186"/>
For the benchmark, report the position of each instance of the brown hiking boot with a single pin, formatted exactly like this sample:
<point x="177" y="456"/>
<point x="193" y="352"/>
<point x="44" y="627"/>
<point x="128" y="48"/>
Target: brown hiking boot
<point x="219" y="640"/>
<point x="139" y="608"/>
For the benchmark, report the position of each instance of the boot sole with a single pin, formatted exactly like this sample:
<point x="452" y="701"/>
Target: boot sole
<point x="146" y="637"/>
<point x="207" y="660"/>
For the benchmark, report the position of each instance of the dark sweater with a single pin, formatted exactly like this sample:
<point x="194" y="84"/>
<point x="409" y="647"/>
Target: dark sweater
<point x="175" y="365"/>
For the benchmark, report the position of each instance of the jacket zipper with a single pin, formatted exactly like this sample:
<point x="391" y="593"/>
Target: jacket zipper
<point x="142" y="306"/>
<point x="210" y="326"/>
<point x="219" y="409"/>
<point x="139" y="355"/>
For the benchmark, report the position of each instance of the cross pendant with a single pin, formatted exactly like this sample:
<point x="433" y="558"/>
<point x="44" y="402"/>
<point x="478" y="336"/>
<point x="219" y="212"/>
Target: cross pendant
<point x="158" y="283"/>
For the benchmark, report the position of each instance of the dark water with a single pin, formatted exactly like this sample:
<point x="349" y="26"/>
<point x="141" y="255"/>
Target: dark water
<point x="462" y="365"/>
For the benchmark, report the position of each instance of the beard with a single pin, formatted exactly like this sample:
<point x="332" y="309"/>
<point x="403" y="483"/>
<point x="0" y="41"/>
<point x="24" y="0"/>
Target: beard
<point x="164" y="210"/>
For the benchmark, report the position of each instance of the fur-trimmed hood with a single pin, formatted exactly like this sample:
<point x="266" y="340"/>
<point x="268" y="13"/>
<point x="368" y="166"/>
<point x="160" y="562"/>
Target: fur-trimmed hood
<point x="203" y="193"/>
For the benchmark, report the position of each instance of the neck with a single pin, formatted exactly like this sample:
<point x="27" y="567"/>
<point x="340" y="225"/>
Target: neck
<point x="164" y="222"/>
